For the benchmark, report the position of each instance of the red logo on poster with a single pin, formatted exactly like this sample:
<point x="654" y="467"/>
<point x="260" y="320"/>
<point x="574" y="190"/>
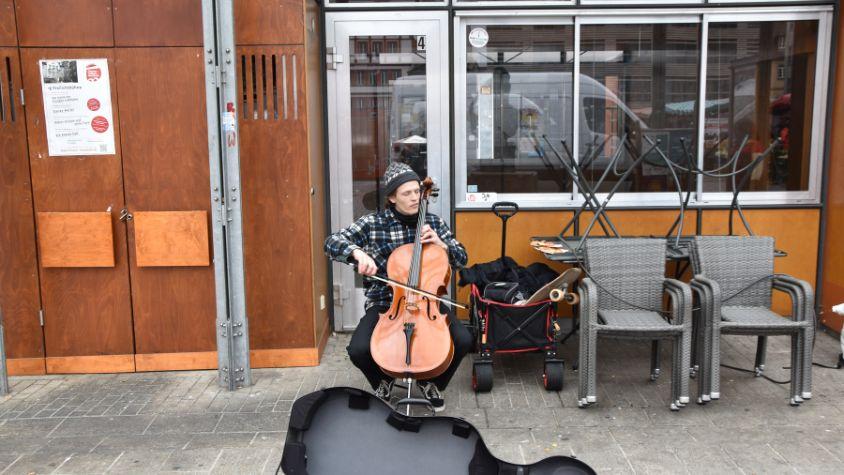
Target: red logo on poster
<point x="93" y="72"/>
<point x="99" y="124"/>
<point x="93" y="104"/>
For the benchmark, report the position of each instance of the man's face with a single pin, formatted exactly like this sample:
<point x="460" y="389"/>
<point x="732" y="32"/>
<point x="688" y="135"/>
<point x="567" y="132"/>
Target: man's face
<point x="406" y="197"/>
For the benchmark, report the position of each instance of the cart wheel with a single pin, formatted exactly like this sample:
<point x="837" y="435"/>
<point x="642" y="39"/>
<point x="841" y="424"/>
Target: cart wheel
<point x="552" y="379"/>
<point x="482" y="377"/>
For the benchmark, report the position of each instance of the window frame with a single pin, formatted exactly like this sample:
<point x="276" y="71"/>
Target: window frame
<point x="819" y="113"/>
<point x="693" y="14"/>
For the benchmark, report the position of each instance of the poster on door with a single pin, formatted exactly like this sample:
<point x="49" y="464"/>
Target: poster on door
<point x="77" y="107"/>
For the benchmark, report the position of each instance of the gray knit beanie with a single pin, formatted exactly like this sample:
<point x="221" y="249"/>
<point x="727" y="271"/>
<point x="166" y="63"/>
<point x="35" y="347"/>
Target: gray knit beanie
<point x="396" y="175"/>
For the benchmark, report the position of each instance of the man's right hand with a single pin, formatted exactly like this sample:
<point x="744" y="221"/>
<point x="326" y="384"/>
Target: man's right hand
<point x="366" y="264"/>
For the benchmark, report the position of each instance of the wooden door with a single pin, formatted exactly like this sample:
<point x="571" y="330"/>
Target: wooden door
<point x="87" y="310"/>
<point x="19" y="296"/>
<point x="166" y="175"/>
<point x="276" y="199"/>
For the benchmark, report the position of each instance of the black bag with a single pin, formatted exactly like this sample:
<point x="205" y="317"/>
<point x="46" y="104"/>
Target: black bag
<point x="504" y="292"/>
<point x="505" y="269"/>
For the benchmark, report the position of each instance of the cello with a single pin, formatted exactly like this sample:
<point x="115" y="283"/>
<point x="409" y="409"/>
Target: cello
<point x="412" y="339"/>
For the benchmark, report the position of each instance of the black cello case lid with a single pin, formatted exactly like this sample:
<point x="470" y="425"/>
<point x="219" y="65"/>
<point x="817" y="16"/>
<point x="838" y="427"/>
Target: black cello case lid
<point x="349" y="431"/>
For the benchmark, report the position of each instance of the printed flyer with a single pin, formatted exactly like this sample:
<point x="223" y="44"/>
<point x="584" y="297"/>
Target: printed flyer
<point x="77" y="107"/>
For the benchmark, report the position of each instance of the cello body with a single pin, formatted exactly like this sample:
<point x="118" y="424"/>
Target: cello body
<point x="431" y="348"/>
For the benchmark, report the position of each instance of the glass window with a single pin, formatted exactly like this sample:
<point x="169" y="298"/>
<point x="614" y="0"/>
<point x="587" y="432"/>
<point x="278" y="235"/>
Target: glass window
<point x="760" y="83"/>
<point x="638" y="86"/>
<point x="518" y="90"/>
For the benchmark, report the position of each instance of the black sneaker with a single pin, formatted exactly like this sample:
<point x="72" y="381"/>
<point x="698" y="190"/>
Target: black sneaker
<point x="433" y="395"/>
<point x="384" y="391"/>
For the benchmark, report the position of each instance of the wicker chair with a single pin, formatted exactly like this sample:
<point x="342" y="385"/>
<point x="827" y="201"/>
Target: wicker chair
<point x="734" y="280"/>
<point x="623" y="298"/>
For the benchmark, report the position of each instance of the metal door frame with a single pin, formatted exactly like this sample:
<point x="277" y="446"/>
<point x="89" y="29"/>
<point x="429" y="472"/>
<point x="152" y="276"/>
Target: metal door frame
<point x="340" y="26"/>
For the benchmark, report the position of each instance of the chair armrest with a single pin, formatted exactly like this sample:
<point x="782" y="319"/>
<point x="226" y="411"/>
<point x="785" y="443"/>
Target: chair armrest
<point x="801" y="293"/>
<point x="681" y="294"/>
<point x="805" y="288"/>
<point x="709" y="294"/>
<point x="588" y="293"/>
<point x="710" y="284"/>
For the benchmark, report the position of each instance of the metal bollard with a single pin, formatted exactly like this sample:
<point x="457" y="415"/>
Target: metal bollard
<point x="4" y="377"/>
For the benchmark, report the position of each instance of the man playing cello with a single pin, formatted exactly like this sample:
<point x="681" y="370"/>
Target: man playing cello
<point x="369" y="241"/>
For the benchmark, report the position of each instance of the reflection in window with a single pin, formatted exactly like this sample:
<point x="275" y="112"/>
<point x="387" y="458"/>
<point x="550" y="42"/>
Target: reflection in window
<point x="388" y="113"/>
<point x="760" y="80"/>
<point x="518" y="88"/>
<point x="638" y="84"/>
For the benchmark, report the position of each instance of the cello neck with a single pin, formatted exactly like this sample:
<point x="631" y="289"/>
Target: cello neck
<point x="415" y="263"/>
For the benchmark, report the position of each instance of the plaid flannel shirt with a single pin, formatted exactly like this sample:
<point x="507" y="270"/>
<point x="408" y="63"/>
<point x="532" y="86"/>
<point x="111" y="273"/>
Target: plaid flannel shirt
<point x="378" y="234"/>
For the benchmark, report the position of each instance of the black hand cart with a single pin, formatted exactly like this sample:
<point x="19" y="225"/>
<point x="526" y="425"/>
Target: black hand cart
<point x="502" y="327"/>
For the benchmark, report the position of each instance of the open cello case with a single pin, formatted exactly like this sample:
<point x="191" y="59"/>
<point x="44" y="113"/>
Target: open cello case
<point x="350" y="431"/>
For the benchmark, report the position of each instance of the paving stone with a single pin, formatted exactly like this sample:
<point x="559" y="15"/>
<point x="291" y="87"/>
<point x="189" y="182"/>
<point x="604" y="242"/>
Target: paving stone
<point x="140" y="461"/>
<point x="7" y="458"/>
<point x="272" y="462"/>
<point x="28" y="427"/>
<point x="652" y="458"/>
<point x="183" y="424"/>
<point x="37" y="464"/>
<point x="757" y="458"/>
<point x="705" y="459"/>
<point x="120" y="443"/>
<point x="198" y="460"/>
<point x="269" y="439"/>
<point x="70" y="445"/>
<point x="250" y="460"/>
<point x="87" y="463"/>
<point x="252" y="422"/>
<point x="102" y="426"/>
<point x="21" y="444"/>
<point x="498" y="418"/>
<point x="220" y="441"/>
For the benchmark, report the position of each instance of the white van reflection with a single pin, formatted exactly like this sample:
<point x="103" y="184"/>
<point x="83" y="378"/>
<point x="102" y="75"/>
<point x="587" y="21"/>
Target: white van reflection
<point x="508" y="114"/>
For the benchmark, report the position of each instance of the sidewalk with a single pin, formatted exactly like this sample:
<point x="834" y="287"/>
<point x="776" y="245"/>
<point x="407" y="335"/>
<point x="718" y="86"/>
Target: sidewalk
<point x="184" y="422"/>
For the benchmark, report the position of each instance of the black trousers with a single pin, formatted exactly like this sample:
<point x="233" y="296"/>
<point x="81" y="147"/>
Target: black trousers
<point x="362" y="358"/>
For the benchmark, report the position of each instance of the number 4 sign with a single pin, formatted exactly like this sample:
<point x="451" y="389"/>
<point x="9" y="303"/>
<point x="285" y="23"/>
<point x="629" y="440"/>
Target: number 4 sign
<point x="420" y="43"/>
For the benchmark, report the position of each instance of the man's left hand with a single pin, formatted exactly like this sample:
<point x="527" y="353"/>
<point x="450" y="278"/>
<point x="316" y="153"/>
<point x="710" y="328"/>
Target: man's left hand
<point x="429" y="236"/>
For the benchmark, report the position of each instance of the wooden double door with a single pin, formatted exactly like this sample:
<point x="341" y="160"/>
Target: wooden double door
<point x="112" y="250"/>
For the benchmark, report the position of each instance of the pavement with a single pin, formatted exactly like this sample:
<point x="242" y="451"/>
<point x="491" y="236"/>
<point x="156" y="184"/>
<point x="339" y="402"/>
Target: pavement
<point x="184" y="422"/>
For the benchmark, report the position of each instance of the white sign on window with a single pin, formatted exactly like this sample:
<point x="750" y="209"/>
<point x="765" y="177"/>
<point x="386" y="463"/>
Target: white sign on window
<point x="77" y="106"/>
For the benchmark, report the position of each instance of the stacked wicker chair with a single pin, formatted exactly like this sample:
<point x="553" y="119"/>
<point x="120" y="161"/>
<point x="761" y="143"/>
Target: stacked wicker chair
<point x="734" y="280"/>
<point x="623" y="298"/>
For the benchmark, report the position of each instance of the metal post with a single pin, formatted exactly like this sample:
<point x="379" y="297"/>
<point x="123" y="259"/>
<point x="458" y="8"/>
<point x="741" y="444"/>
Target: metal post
<point x="224" y="159"/>
<point x="4" y="376"/>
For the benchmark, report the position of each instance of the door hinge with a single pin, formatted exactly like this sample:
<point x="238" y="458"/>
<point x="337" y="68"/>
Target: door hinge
<point x="41" y="316"/>
<point x="23" y="99"/>
<point x="332" y="58"/>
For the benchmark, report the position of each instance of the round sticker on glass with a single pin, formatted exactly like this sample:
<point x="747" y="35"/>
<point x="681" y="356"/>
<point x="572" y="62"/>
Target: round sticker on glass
<point x="478" y="37"/>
